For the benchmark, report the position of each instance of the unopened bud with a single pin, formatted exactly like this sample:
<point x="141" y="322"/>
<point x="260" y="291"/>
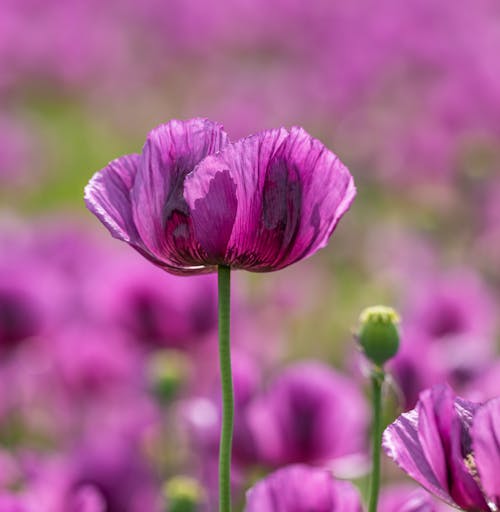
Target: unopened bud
<point x="167" y="372"/>
<point x="379" y="334"/>
<point x="183" y="494"/>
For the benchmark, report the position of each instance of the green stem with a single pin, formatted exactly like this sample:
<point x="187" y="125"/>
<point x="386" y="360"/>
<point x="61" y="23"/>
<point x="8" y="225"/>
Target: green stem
<point x="377" y="379"/>
<point x="226" y="437"/>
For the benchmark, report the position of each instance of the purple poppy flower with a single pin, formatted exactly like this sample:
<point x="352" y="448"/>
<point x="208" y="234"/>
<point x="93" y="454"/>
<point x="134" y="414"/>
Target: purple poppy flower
<point x="92" y="363"/>
<point x="310" y="414"/>
<point x="193" y="200"/>
<point x="155" y="309"/>
<point x="300" y="488"/>
<point x="119" y="473"/>
<point x="11" y="502"/>
<point x="433" y="444"/>
<point x="48" y="485"/>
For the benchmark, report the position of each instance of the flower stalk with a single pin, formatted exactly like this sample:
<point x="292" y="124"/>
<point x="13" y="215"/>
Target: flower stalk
<point x="377" y="381"/>
<point x="226" y="438"/>
<point x="378" y="338"/>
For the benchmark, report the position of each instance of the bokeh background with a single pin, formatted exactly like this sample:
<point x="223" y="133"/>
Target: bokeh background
<point x="108" y="371"/>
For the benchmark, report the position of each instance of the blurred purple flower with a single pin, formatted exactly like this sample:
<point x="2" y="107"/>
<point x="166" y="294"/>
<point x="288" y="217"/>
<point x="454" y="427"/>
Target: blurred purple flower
<point x="30" y="295"/>
<point x="20" y="317"/>
<point x="310" y="414"/>
<point x="12" y="502"/>
<point x="452" y="305"/>
<point x="93" y="363"/>
<point x="485" y="385"/>
<point x="46" y="484"/>
<point x="302" y="489"/>
<point x="154" y="308"/>
<point x="433" y="445"/>
<point x="192" y="200"/>
<point x="119" y="472"/>
<point x="203" y="414"/>
<point x="407" y="498"/>
<point x="448" y="335"/>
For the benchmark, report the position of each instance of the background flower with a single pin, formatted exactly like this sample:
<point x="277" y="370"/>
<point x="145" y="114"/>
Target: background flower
<point x="302" y="488"/>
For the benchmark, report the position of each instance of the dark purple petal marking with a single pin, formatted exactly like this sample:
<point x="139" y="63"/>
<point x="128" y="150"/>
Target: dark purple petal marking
<point x="290" y="192"/>
<point x="213" y="215"/>
<point x="327" y="190"/>
<point x="246" y="161"/>
<point x="160" y="211"/>
<point x="464" y="488"/>
<point x="108" y="197"/>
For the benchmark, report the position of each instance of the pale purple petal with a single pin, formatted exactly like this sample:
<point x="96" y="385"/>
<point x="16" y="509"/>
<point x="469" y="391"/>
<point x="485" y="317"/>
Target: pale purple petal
<point x="107" y="196"/>
<point x="485" y="435"/>
<point x="431" y="444"/>
<point x="435" y="410"/>
<point x="402" y="445"/>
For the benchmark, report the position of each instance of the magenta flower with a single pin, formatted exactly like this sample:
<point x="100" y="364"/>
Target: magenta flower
<point x="192" y="200"/>
<point x="156" y="309"/>
<point x="310" y="414"/>
<point x="448" y="335"/>
<point x="435" y="445"/>
<point x="300" y="488"/>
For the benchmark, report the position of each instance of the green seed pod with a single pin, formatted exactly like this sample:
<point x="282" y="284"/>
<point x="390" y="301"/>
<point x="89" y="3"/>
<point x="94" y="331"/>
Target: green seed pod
<point x="183" y="494"/>
<point x="378" y="333"/>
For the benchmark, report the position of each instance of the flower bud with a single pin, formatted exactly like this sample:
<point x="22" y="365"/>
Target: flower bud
<point x="378" y="334"/>
<point x="183" y="494"/>
<point x="167" y="372"/>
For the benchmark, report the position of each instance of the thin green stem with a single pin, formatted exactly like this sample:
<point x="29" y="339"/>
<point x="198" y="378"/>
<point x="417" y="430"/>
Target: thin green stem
<point x="377" y="379"/>
<point x="226" y="437"/>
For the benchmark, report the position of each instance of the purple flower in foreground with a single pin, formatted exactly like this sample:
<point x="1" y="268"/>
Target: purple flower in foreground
<point x="435" y="444"/>
<point x="193" y="200"/>
<point x="302" y="489"/>
<point x="485" y="435"/>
